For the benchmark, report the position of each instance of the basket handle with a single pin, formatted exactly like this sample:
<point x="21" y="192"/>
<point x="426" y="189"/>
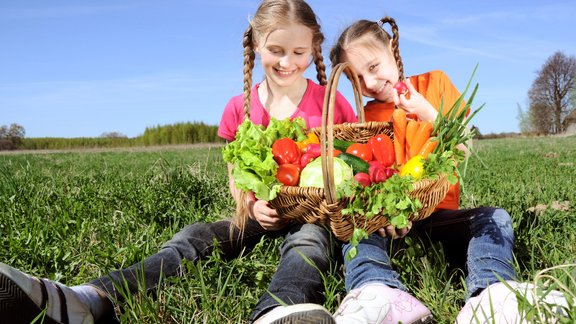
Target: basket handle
<point x="327" y="134"/>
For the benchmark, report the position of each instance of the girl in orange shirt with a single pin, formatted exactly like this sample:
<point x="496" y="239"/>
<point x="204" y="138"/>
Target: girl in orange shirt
<point x="484" y="235"/>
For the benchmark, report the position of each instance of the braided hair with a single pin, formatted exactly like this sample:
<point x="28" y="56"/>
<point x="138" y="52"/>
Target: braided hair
<point x="270" y="15"/>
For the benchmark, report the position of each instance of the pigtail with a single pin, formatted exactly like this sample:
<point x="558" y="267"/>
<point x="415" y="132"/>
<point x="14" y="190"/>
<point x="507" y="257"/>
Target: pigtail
<point x="319" y="62"/>
<point x="395" y="43"/>
<point x="249" y="57"/>
<point x="240" y="219"/>
<point x="241" y="198"/>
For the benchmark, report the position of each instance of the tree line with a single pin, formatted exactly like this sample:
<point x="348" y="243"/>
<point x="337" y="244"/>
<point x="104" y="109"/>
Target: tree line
<point x="12" y="138"/>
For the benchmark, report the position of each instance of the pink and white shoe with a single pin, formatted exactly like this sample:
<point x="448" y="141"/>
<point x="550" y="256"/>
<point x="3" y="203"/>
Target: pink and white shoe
<point x="379" y="304"/>
<point x="499" y="303"/>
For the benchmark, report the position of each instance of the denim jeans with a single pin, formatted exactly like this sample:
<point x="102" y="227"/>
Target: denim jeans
<point x="295" y="281"/>
<point x="482" y="236"/>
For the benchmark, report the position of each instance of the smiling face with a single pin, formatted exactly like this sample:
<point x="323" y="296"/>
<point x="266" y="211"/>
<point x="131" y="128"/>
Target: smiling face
<point x="375" y="66"/>
<point x="285" y="53"/>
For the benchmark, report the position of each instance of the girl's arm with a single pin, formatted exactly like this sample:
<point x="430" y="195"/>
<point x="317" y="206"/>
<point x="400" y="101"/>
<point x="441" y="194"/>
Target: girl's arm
<point x="257" y="209"/>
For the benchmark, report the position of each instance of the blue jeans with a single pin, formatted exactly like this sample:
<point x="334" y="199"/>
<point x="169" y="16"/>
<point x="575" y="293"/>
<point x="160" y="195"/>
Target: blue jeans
<point x="483" y="234"/>
<point x="295" y="281"/>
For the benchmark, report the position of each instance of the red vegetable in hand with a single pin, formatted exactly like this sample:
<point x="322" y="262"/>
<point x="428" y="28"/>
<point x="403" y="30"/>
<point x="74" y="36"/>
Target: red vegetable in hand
<point x="401" y="88"/>
<point x="363" y="151"/>
<point x="363" y="179"/>
<point x="382" y="149"/>
<point x="285" y="151"/>
<point x="288" y="174"/>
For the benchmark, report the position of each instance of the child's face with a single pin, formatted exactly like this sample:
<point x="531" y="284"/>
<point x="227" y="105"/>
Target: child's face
<point x="375" y="66"/>
<point x="285" y="53"/>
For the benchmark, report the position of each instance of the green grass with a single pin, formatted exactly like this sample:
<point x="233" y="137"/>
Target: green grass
<point x="76" y="216"/>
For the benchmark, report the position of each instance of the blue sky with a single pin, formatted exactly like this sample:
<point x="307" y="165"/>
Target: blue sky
<point x="82" y="68"/>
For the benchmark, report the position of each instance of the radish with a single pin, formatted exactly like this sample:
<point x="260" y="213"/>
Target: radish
<point x="401" y="88"/>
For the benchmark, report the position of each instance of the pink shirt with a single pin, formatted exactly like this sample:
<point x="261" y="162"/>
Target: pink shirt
<point x="310" y="109"/>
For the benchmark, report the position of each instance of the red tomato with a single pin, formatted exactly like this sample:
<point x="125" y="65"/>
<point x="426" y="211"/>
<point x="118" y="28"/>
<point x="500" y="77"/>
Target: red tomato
<point x="288" y="174"/>
<point x="363" y="151"/>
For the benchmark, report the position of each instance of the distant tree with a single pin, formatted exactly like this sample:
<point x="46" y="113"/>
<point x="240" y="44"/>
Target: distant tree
<point x="551" y="93"/>
<point x="11" y="136"/>
<point x="525" y="122"/>
<point x="113" y="135"/>
<point x="542" y="117"/>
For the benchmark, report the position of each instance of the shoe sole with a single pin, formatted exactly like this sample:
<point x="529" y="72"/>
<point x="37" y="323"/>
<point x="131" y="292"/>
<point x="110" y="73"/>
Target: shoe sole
<point x="307" y="317"/>
<point x="15" y="305"/>
<point x="424" y="320"/>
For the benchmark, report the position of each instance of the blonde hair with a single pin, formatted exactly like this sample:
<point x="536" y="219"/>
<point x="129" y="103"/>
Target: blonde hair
<point x="372" y="29"/>
<point x="270" y="15"/>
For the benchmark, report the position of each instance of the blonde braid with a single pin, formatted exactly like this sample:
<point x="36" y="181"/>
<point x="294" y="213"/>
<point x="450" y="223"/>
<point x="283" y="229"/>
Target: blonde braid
<point x="249" y="57"/>
<point x="395" y="43"/>
<point x="242" y="214"/>
<point x="319" y="62"/>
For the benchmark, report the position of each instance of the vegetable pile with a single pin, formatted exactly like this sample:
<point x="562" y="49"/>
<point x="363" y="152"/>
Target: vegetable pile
<point x="251" y="154"/>
<point x="375" y="177"/>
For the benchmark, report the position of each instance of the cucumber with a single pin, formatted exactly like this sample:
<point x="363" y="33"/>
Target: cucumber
<point x="341" y="145"/>
<point x="358" y="165"/>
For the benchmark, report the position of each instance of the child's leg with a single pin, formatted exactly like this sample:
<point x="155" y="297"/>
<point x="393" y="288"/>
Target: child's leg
<point x="371" y="264"/>
<point x="195" y="241"/>
<point x="87" y="303"/>
<point x="487" y="236"/>
<point x="306" y="254"/>
<point x="375" y="294"/>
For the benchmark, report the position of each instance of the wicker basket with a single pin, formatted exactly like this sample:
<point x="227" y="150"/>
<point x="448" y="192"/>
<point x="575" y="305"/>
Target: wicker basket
<point x="320" y="205"/>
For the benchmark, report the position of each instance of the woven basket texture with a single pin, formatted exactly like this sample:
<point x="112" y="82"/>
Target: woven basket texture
<point x="320" y="205"/>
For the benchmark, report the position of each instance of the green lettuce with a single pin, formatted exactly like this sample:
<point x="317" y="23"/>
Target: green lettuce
<point x="251" y="154"/>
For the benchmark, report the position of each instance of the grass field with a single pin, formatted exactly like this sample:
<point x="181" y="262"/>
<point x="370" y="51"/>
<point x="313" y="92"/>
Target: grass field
<point x="74" y="216"/>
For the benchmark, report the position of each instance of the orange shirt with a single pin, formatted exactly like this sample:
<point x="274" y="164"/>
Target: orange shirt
<point x="434" y="86"/>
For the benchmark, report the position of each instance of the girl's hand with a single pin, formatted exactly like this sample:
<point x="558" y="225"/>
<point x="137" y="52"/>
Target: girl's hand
<point x="417" y="104"/>
<point x="267" y="217"/>
<point x="394" y="232"/>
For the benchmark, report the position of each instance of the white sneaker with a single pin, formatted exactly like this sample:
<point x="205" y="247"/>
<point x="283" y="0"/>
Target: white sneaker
<point x="508" y="302"/>
<point x="299" y="313"/>
<point x="24" y="299"/>
<point x="378" y="304"/>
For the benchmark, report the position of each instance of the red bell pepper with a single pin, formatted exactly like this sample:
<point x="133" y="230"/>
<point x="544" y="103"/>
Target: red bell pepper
<point x="286" y="151"/>
<point x="361" y="150"/>
<point x="382" y="149"/>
